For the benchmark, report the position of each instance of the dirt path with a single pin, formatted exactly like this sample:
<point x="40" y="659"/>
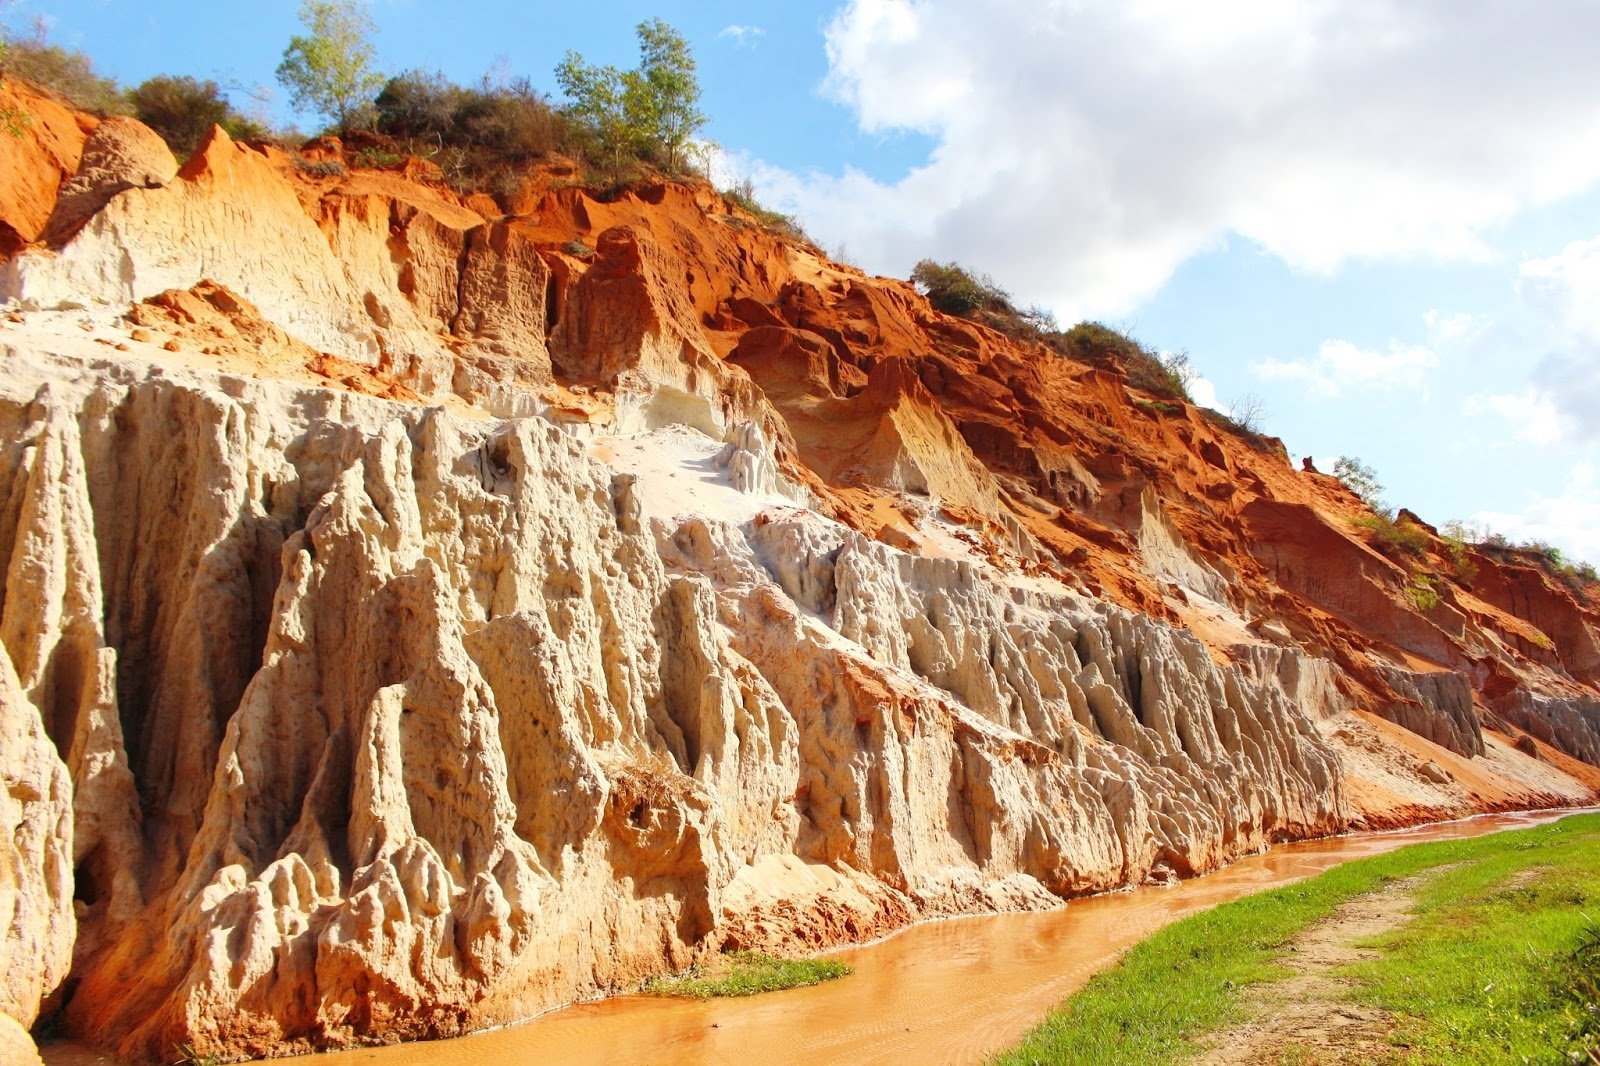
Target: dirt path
<point x="1304" y="1018"/>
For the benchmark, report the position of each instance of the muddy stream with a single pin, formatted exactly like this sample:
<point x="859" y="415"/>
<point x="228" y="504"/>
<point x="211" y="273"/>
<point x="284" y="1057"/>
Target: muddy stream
<point x="949" y="991"/>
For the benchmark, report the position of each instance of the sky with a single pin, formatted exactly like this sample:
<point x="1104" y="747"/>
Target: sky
<point x="1380" y="218"/>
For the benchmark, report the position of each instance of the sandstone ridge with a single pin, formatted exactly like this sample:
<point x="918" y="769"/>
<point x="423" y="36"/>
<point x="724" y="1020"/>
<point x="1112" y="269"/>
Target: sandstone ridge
<point x="420" y="611"/>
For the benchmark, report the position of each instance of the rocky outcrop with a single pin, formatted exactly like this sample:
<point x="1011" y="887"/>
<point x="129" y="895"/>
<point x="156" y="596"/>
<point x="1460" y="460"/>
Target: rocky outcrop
<point x="415" y="617"/>
<point x="120" y="154"/>
<point x="407" y="704"/>
<point x="42" y="155"/>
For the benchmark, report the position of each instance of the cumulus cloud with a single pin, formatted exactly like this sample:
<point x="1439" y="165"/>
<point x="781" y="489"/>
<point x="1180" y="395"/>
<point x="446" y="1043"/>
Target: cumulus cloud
<point x="1569" y="520"/>
<point x="1453" y="326"/>
<point x="1561" y="405"/>
<point x="1566" y="286"/>
<point x="1083" y="150"/>
<point x="1340" y="365"/>
<point x="1203" y="391"/>
<point x="742" y="35"/>
<point x="1534" y="416"/>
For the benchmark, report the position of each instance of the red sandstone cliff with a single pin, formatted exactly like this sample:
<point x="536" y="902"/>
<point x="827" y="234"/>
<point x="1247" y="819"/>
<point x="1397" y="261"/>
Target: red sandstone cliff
<point x="419" y="612"/>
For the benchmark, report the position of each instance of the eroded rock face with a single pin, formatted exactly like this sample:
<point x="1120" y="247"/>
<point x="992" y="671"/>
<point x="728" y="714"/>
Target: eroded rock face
<point x="415" y="617"/>
<point x="121" y="153"/>
<point x="388" y="711"/>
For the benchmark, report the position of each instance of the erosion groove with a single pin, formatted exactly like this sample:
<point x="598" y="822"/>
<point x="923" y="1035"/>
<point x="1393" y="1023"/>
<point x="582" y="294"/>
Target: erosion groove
<point x="410" y="625"/>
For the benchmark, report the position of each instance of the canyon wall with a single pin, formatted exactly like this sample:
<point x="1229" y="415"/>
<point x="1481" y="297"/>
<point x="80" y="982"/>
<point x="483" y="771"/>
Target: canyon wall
<point x="420" y="611"/>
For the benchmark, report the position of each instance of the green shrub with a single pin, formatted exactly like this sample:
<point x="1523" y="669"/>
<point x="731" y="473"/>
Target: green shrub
<point x="1421" y="592"/>
<point x="183" y="110"/>
<point x="325" y="168"/>
<point x="952" y="289"/>
<point x="1402" y="536"/>
<point x="481" y="136"/>
<point x="68" y="74"/>
<point x="1456" y="537"/>
<point x="1096" y="344"/>
<point x="1546" y="552"/>
<point x="417" y="104"/>
<point x="1168" y="374"/>
<point x="378" y="156"/>
<point x="743" y="197"/>
<point x="1362" y="480"/>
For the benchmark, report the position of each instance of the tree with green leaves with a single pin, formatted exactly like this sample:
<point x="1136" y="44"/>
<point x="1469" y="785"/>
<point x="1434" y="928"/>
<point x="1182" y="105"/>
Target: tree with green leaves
<point x="650" y="112"/>
<point x="1362" y="480"/>
<point x="183" y="110"/>
<point x="330" y="70"/>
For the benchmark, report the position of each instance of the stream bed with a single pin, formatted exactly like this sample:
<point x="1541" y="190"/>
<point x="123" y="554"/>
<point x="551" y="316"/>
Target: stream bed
<point x="951" y="991"/>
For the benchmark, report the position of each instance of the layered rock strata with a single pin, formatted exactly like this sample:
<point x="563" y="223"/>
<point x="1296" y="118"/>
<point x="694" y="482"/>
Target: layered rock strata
<point x="388" y="722"/>
<point x="420" y="611"/>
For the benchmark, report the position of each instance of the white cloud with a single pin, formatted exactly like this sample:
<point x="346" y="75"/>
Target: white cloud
<point x="1567" y="287"/>
<point x="1534" y="416"/>
<point x="1451" y="327"/>
<point x="1082" y="150"/>
<point x="1340" y="365"/>
<point x="1570" y="521"/>
<point x="742" y="35"/>
<point x="1204" y="392"/>
<point x="1561" y="403"/>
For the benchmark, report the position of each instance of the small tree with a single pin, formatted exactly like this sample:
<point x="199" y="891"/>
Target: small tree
<point x="650" y="112"/>
<point x="183" y="110"/>
<point x="667" y="89"/>
<point x="952" y="288"/>
<point x="330" y="70"/>
<point x="1362" y="480"/>
<point x="1248" y="412"/>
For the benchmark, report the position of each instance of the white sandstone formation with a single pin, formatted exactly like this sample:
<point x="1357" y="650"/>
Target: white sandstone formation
<point x="379" y="721"/>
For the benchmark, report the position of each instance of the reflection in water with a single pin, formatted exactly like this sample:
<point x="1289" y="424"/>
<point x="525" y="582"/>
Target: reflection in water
<point x="946" y="992"/>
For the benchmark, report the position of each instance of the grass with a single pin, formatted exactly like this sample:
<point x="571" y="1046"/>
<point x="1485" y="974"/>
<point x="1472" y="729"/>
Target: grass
<point x="1527" y="942"/>
<point x="747" y="973"/>
<point x="1159" y="407"/>
<point x="1500" y="963"/>
<point x="783" y="225"/>
<point x="1393" y="535"/>
<point x="1422" y="593"/>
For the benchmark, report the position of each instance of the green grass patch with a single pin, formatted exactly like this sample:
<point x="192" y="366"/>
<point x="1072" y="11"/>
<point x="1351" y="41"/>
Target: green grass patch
<point x="745" y="973"/>
<point x="1192" y="978"/>
<point x="1159" y="407"/>
<point x="1500" y="964"/>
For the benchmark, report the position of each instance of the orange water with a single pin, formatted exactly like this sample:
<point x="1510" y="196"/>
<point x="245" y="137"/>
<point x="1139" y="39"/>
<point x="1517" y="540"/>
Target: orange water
<point x="941" y="992"/>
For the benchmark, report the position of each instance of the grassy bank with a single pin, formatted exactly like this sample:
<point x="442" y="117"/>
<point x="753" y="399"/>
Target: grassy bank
<point x="746" y="973"/>
<point x="1496" y="967"/>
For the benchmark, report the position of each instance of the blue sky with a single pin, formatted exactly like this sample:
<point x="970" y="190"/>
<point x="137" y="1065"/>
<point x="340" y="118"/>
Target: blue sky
<point x="1382" y="217"/>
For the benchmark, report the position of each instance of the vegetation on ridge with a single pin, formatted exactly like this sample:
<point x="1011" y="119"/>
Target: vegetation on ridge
<point x="1500" y="965"/>
<point x="1402" y="536"/>
<point x="648" y="113"/>
<point x="615" y="126"/>
<point x="182" y="111"/>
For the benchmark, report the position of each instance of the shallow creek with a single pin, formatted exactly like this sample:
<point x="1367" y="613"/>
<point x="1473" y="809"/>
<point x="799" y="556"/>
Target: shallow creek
<point x="946" y="991"/>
